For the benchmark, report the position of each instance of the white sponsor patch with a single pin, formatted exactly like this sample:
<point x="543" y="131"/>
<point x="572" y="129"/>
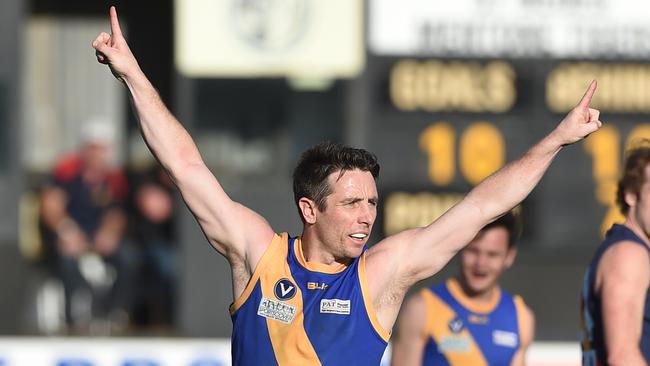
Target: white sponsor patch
<point x="454" y="344"/>
<point x="335" y="306"/>
<point x="503" y="338"/>
<point x="277" y="310"/>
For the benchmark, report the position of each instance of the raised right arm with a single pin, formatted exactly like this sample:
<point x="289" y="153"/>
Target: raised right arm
<point x="235" y="231"/>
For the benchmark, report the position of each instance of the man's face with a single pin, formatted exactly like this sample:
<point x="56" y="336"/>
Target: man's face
<point x="484" y="260"/>
<point x="640" y="204"/>
<point x="350" y="212"/>
<point x="95" y="155"/>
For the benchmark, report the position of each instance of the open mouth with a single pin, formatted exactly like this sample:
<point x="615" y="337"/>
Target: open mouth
<point x="479" y="276"/>
<point x="359" y="237"/>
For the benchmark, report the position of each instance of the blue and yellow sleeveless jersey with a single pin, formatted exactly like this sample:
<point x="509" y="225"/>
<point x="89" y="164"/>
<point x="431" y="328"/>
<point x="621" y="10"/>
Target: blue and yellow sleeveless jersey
<point x="594" y="352"/>
<point x="460" y="331"/>
<point x="297" y="313"/>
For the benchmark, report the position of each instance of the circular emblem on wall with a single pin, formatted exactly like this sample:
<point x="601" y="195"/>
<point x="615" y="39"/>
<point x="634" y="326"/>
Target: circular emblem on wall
<point x="270" y="24"/>
<point x="284" y="289"/>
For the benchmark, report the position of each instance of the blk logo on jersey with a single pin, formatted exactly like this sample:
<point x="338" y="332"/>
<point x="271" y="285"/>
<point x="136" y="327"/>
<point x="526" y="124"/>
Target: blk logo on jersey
<point x="456" y="325"/>
<point x="284" y="289"/>
<point x="478" y="319"/>
<point x="316" y="285"/>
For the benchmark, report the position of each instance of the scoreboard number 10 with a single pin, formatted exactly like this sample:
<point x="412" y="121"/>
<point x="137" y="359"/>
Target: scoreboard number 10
<point x="482" y="151"/>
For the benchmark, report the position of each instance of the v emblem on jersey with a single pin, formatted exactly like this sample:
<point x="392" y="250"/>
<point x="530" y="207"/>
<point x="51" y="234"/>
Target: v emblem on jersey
<point x="284" y="289"/>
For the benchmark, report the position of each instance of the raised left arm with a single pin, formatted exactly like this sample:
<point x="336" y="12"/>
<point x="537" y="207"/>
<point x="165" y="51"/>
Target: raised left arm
<point x="424" y="251"/>
<point x="401" y="260"/>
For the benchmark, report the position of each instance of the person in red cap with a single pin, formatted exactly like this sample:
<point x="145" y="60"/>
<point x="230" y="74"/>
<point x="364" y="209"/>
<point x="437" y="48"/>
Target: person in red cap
<point x="84" y="228"/>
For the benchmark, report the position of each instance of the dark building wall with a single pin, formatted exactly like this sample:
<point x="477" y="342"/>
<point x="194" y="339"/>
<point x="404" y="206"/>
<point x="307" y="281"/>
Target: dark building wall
<point x="11" y="15"/>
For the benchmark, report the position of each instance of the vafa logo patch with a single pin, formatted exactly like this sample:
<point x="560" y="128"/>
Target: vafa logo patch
<point x="284" y="289"/>
<point x="456" y="325"/>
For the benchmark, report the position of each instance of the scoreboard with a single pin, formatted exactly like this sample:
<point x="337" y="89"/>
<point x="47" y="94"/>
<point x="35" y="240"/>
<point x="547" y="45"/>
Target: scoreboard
<point x="440" y="126"/>
<point x="459" y="89"/>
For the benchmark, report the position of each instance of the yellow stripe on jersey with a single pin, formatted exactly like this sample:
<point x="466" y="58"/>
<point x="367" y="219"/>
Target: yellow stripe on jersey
<point x="277" y="242"/>
<point x="367" y="300"/>
<point x="439" y="329"/>
<point x="299" y="350"/>
<point x="524" y="325"/>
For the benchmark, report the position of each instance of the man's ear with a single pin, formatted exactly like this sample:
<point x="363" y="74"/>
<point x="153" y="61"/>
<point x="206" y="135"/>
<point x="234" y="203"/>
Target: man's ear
<point x="308" y="210"/>
<point x="510" y="256"/>
<point x="630" y="198"/>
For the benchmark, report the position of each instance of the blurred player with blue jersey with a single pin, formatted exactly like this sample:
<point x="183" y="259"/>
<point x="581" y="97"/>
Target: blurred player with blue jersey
<point x="469" y="319"/>
<point x="615" y="301"/>
<point x="322" y="298"/>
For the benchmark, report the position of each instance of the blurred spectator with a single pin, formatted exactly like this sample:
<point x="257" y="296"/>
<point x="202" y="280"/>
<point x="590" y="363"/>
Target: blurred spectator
<point x="84" y="224"/>
<point x="153" y="231"/>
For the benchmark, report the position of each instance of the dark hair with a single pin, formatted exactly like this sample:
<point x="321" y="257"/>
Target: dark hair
<point x="319" y="161"/>
<point x="511" y="222"/>
<point x="633" y="174"/>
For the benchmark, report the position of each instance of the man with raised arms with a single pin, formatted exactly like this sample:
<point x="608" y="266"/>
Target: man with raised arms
<point x="322" y="298"/>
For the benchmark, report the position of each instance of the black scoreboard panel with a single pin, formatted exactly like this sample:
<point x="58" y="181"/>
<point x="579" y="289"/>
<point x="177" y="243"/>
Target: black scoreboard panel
<point x="439" y="126"/>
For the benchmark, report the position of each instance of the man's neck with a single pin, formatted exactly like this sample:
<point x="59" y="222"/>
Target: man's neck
<point x="314" y="250"/>
<point x="477" y="296"/>
<point x="633" y="225"/>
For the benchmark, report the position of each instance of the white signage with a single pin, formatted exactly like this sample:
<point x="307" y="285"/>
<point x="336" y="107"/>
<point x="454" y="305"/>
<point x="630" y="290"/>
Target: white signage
<point x="22" y="351"/>
<point x="599" y="29"/>
<point x="114" y="352"/>
<point x="249" y="38"/>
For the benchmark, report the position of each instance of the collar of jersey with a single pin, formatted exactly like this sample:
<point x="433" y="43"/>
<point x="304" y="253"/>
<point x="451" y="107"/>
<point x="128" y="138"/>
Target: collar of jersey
<point x="315" y="266"/>
<point x="478" y="307"/>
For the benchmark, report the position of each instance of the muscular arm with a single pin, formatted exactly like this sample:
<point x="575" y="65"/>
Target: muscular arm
<point x="622" y="279"/>
<point x="399" y="261"/>
<point x="409" y="342"/>
<point x="235" y="231"/>
<point x="220" y="218"/>
<point x="526" y="337"/>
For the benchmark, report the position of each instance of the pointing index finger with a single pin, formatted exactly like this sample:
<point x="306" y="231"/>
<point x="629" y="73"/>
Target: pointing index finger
<point x="586" y="99"/>
<point x="115" y="24"/>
